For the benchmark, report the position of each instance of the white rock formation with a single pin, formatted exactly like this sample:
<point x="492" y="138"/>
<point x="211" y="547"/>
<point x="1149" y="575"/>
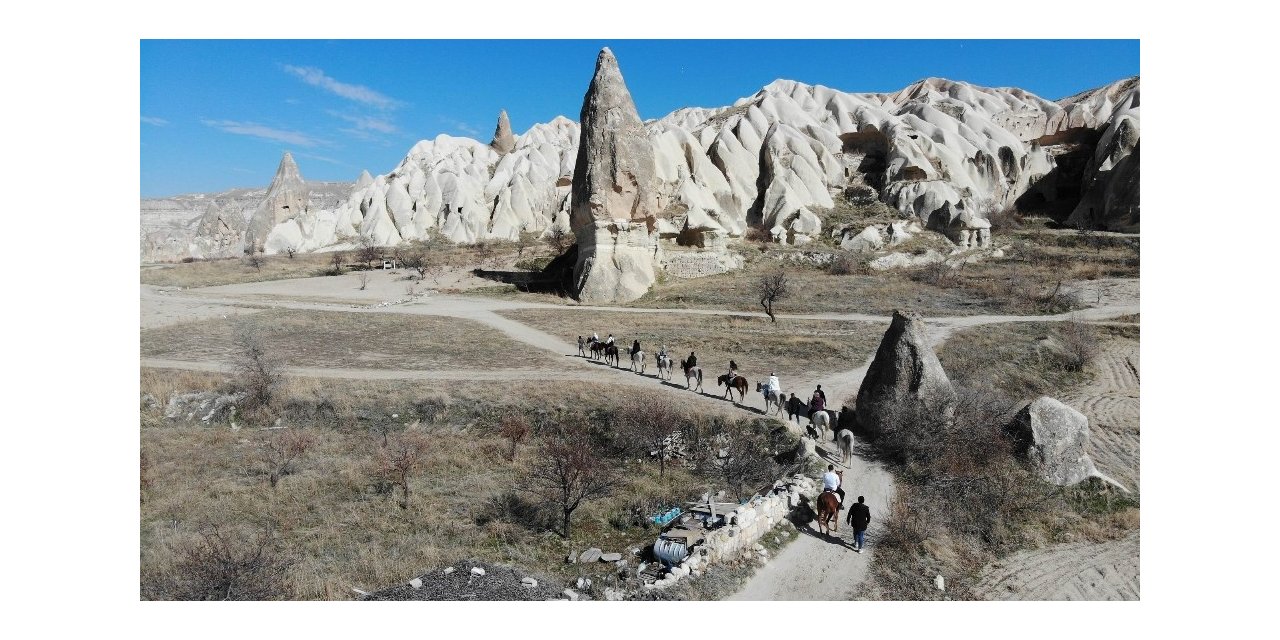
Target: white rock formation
<point x="287" y="199"/>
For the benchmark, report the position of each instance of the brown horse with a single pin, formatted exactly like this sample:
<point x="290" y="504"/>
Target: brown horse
<point x="611" y="353"/>
<point x="739" y="383"/>
<point x="828" y="512"/>
<point x="597" y="350"/>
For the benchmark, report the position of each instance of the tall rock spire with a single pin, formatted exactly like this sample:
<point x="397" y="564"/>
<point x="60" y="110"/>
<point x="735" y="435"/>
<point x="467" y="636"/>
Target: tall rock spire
<point x="286" y="199"/>
<point x="503" y="140"/>
<point x="614" y="203"/>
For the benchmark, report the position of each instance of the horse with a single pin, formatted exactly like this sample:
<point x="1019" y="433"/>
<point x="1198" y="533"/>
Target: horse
<point x="772" y="399"/>
<point x="637" y="360"/>
<point x="828" y="512"/>
<point x="691" y="374"/>
<point x="821" y="421"/>
<point x="597" y="350"/>
<point x="844" y="438"/>
<point x="664" y="367"/>
<point x="739" y="383"/>
<point x="611" y="352"/>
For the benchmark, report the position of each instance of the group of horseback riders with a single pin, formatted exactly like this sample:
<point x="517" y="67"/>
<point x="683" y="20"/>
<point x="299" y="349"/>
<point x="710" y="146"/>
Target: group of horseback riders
<point x="771" y="389"/>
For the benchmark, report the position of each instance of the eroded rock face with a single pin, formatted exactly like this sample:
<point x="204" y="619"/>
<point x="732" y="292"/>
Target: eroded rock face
<point x="1054" y="438"/>
<point x="904" y="377"/>
<point x="615" y="200"/>
<point x="220" y="233"/>
<point x="286" y="200"/>
<point x="503" y="140"/>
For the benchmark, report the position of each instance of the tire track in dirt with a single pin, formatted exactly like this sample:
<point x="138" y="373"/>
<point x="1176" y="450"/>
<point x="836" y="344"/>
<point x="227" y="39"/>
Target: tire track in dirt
<point x="1111" y="402"/>
<point x="1072" y="571"/>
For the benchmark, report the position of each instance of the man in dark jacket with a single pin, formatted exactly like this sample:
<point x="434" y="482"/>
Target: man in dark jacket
<point x="859" y="517"/>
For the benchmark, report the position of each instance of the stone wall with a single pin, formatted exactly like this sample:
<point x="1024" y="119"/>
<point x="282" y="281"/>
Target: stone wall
<point x="698" y="263"/>
<point x="746" y="526"/>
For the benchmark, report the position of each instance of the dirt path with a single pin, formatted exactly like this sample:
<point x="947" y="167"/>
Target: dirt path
<point x="1074" y="571"/>
<point x="1111" y="402"/>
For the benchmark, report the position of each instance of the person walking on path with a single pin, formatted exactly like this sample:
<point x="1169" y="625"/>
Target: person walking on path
<point x="859" y="517"/>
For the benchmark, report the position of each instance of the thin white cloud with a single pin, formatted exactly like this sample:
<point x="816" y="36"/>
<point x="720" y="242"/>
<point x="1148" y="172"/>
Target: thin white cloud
<point x="461" y="127"/>
<point x="322" y="159"/>
<point x="366" y="123"/>
<point x="359" y="93"/>
<point x="156" y="122"/>
<point x="264" y="132"/>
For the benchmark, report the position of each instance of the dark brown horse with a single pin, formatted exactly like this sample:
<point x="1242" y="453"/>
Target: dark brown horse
<point x="739" y="383"/>
<point x="597" y="350"/>
<point x="611" y="353"/>
<point x="828" y="512"/>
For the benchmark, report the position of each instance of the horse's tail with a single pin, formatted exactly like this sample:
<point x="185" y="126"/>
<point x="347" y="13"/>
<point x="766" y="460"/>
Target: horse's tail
<point x="699" y="375"/>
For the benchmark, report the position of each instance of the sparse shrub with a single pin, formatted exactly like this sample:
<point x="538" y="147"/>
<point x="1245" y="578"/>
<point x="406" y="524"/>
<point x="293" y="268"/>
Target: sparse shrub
<point x="226" y="563"/>
<point x="1079" y="344"/>
<point x="843" y="264"/>
<point x="364" y="279"/>
<point x="399" y="460"/>
<point x="188" y="260"/>
<point x="757" y="234"/>
<point x="515" y="429"/>
<point x="254" y="259"/>
<point x="559" y="239"/>
<point x="290" y="250"/>
<point x="257" y="371"/>
<point x="278" y="452"/>
<point x="432" y="408"/>
<point x="1006" y="219"/>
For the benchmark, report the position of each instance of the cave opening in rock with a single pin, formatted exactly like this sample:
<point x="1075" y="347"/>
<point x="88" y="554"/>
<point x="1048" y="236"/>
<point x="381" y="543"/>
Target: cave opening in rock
<point x="865" y="154"/>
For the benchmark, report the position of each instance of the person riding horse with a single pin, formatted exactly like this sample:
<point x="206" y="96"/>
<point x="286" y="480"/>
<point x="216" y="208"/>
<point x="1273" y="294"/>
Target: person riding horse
<point x="733" y="370"/>
<point x="609" y="340"/>
<point x="772" y="385"/>
<point x="691" y="362"/>
<point x="635" y="348"/>
<point x="817" y="403"/>
<point x="831" y="481"/>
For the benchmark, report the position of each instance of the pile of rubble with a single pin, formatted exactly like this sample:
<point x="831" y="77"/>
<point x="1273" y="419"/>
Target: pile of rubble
<point x="470" y="580"/>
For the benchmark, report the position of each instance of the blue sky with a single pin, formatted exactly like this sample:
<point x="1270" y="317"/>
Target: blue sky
<point x="217" y="114"/>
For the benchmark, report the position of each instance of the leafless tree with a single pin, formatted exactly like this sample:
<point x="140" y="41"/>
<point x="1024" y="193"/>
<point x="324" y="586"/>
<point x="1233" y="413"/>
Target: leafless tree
<point x="367" y="250"/>
<point x="254" y="260"/>
<point x="771" y="288"/>
<point x="515" y="429"/>
<point x="401" y="458"/>
<point x="257" y="371"/>
<point x="651" y="420"/>
<point x="279" y="451"/>
<point x="523" y="241"/>
<point x="335" y="263"/>
<point x="569" y="471"/>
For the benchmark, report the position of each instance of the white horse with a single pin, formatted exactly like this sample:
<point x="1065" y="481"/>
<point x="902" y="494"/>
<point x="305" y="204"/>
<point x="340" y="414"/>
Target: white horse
<point x="637" y="361"/>
<point x="773" y="399"/>
<point x="664" y="367"/>
<point x="821" y="422"/>
<point x="692" y="374"/>
<point x="844" y="438"/>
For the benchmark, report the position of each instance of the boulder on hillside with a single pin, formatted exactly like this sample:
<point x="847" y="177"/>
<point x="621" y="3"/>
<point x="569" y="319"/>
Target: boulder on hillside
<point x="1054" y="437"/>
<point x="905" y="377"/>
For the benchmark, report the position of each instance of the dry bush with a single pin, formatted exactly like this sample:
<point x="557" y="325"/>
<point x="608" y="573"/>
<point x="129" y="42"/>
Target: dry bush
<point x="569" y="471"/>
<point x="399" y="460"/>
<point x="364" y="279"/>
<point x="757" y="234"/>
<point x="844" y="263"/>
<point x="1006" y="219"/>
<point x="257" y="372"/>
<point x="279" y="452"/>
<point x="1079" y="344"/>
<point x="649" y="419"/>
<point x="515" y="428"/>
<point x="367" y="250"/>
<point x="291" y="250"/>
<point x="906" y="525"/>
<point x="224" y="563"/>
<point x="559" y="239"/>
<point x="254" y="259"/>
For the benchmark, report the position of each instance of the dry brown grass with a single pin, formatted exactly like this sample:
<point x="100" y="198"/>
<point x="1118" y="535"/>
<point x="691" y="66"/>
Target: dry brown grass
<point x="334" y="521"/>
<point x="340" y="339"/>
<point x="789" y="347"/>
<point x="1021" y="359"/>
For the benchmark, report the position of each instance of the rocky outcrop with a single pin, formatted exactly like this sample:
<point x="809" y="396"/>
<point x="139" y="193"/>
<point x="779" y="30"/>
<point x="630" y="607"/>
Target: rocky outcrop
<point x="1110" y="191"/>
<point x="1054" y="438"/>
<point x="503" y="140"/>
<point x="220" y="234"/>
<point x="286" y="201"/>
<point x="905" y="377"/>
<point x="615" y="201"/>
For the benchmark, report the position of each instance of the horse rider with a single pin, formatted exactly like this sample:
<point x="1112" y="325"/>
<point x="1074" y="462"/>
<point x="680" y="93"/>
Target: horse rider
<point x="662" y="352"/>
<point x="595" y="337"/>
<point x="831" y="481"/>
<point x="609" y="340"/>
<point x="635" y="348"/>
<point x="817" y="403"/>
<point x="692" y="362"/>
<point x="772" y="385"/>
<point x="733" y="371"/>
